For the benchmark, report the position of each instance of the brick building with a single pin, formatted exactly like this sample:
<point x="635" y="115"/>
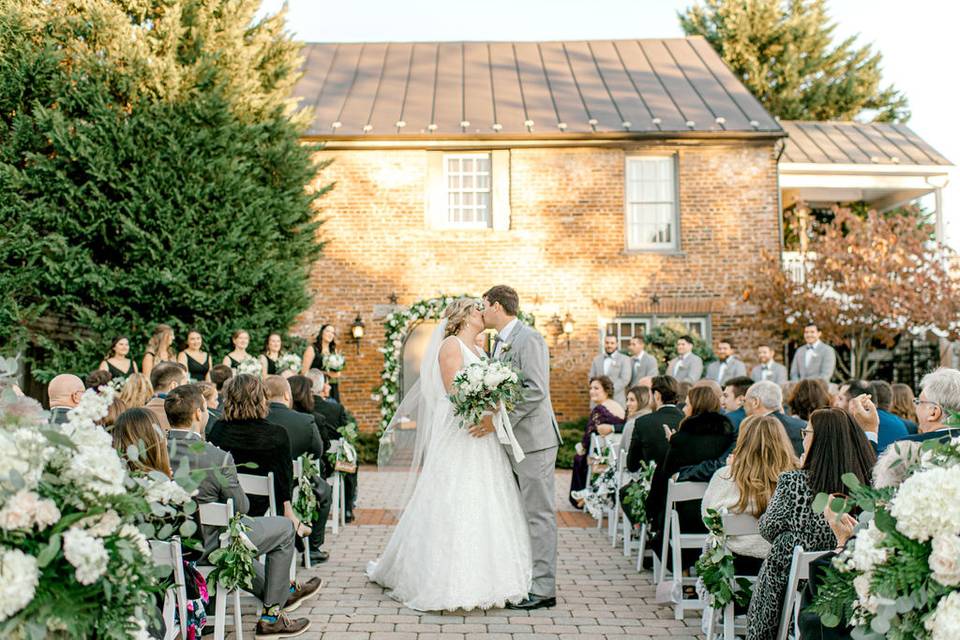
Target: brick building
<point x="619" y="182"/>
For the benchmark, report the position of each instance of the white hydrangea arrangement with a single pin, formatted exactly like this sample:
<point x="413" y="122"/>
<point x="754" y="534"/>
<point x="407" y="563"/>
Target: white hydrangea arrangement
<point x="481" y="387"/>
<point x="249" y="365"/>
<point x="900" y="576"/>
<point x="289" y="362"/>
<point x="334" y="362"/>
<point x="74" y="557"/>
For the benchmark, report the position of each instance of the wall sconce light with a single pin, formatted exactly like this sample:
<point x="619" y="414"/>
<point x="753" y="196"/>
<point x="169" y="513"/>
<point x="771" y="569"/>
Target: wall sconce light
<point x="568" y="325"/>
<point x="356" y="330"/>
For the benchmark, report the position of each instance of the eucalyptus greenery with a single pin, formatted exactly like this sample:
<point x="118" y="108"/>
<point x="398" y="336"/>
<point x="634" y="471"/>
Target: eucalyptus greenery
<point x="234" y="562"/>
<point x="635" y="496"/>
<point x="715" y="567"/>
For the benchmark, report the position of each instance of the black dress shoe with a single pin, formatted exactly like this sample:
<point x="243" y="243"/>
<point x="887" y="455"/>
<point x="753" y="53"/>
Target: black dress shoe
<point x="533" y="602"/>
<point x="348" y="516"/>
<point x="319" y="557"/>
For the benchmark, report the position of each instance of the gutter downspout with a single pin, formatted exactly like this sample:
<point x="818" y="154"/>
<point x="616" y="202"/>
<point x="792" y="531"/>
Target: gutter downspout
<point x="783" y="147"/>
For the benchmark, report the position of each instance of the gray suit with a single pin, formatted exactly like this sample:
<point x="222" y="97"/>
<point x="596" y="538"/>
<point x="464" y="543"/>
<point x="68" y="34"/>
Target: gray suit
<point x="687" y="369"/>
<point x="535" y="426"/>
<point x="643" y="367"/>
<point x="620" y="373"/>
<point x="823" y="361"/>
<point x="777" y="373"/>
<point x="734" y="369"/>
<point x="272" y="536"/>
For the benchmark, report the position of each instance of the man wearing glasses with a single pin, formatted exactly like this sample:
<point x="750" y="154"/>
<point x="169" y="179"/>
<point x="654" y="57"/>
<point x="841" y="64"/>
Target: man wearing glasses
<point x="939" y="399"/>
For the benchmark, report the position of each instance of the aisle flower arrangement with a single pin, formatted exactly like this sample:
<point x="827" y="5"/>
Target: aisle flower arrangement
<point x="74" y="525"/>
<point x="900" y="576"/>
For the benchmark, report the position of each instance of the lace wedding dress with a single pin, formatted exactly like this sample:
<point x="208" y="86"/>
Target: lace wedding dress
<point x="462" y="541"/>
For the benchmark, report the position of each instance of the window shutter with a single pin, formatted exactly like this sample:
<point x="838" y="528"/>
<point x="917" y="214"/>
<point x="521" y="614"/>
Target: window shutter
<point x="500" y="189"/>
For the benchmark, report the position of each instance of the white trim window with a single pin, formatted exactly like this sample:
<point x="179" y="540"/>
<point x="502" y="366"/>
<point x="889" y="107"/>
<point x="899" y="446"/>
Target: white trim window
<point x="651" y="203"/>
<point x="467" y="177"/>
<point x="626" y="327"/>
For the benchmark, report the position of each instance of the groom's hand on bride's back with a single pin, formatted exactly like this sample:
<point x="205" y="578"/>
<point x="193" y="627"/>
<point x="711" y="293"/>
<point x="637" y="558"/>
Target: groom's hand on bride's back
<point x="484" y="428"/>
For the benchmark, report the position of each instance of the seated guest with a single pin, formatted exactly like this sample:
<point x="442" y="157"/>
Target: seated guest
<point x="96" y="379"/>
<point x="768" y="369"/>
<point x="64" y="393"/>
<point x="304" y="438"/>
<point x="605" y="417"/>
<point x="734" y="394"/>
<point x="164" y="378"/>
<point x="638" y="404"/>
<point x="745" y="486"/>
<point x="892" y="428"/>
<point x="159" y="349"/>
<point x="336" y="417"/>
<point x="136" y="391"/>
<point x="687" y="366"/>
<point x="766" y="399"/>
<point x="939" y="397"/>
<point x="301" y="393"/>
<point x="136" y="426"/>
<point x="683" y="388"/>
<point x="726" y="366"/>
<point x="648" y="443"/>
<point x="902" y="406"/>
<point x="712" y="385"/>
<point x="807" y="396"/>
<point x="116" y="407"/>
<point x="212" y="397"/>
<point x="704" y="434"/>
<point x="219" y="375"/>
<point x="273" y="537"/>
<point x="116" y="361"/>
<point x="834" y="445"/>
<point x="245" y="433"/>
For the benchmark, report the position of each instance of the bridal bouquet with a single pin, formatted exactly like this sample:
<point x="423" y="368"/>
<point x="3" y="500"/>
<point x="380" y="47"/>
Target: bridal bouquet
<point x="900" y="576"/>
<point x="480" y="387"/>
<point x="334" y="362"/>
<point x="249" y="365"/>
<point x="289" y="362"/>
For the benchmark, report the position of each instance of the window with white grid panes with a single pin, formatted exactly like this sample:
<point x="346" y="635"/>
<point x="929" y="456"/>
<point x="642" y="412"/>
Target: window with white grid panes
<point x="627" y="327"/>
<point x="467" y="176"/>
<point x="651" y="200"/>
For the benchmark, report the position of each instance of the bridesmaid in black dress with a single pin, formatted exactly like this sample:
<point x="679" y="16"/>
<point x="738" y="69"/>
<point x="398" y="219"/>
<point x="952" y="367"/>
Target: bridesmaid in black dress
<point x="116" y="360"/>
<point x="313" y="358"/>
<point x="194" y="358"/>
<point x="241" y="340"/>
<point x="271" y="354"/>
<point x="606" y="416"/>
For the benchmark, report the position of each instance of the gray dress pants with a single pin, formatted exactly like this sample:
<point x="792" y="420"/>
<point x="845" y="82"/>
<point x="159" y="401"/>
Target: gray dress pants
<point x="272" y="536"/>
<point x="535" y="476"/>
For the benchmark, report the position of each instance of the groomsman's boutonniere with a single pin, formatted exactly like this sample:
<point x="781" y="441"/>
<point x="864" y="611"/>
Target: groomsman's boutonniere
<point x="505" y="348"/>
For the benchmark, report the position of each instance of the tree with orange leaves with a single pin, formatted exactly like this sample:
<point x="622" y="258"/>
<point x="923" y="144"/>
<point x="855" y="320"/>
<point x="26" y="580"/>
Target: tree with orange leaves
<point x="867" y="279"/>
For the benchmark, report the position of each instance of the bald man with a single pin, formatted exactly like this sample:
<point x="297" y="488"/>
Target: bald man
<point x="64" y="392"/>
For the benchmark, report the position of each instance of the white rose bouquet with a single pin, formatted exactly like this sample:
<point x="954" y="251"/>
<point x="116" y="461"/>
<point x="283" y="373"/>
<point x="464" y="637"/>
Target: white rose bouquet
<point x="249" y="365"/>
<point x="481" y="387"/>
<point x="289" y="362"/>
<point x="334" y="362"/>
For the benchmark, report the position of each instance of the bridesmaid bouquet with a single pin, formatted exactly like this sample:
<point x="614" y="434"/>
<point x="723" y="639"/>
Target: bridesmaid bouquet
<point x="289" y="362"/>
<point x="481" y="386"/>
<point x="334" y="362"/>
<point x="249" y="365"/>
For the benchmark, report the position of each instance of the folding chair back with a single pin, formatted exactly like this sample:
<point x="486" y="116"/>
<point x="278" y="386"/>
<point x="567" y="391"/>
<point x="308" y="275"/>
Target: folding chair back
<point x="260" y="486"/>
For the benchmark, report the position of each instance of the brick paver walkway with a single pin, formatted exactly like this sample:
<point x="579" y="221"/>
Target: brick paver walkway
<point x="600" y="594"/>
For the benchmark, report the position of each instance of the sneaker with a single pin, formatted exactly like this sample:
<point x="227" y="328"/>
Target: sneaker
<point x="284" y="627"/>
<point x="301" y="593"/>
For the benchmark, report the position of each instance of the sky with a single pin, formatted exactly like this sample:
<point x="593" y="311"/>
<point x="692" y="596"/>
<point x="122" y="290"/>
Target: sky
<point x="918" y="39"/>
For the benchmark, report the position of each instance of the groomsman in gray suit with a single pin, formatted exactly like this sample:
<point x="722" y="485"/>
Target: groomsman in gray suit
<point x="687" y="366"/>
<point x="768" y="369"/>
<point x="644" y="365"/>
<point x="814" y="359"/>
<point x="614" y="365"/>
<point x="728" y="366"/>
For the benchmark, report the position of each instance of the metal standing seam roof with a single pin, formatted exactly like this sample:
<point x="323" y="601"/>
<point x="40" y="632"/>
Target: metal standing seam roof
<point x="529" y="89"/>
<point x="856" y="143"/>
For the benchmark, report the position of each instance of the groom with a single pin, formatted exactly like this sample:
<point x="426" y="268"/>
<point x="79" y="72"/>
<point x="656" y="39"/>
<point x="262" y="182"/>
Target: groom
<point x="535" y="428"/>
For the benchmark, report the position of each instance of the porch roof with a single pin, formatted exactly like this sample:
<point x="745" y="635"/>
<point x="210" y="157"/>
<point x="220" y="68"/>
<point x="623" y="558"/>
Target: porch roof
<point x="830" y="142"/>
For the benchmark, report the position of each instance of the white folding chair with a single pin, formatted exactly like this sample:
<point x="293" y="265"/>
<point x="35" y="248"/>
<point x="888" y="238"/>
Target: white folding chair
<point x="613" y="514"/>
<point x="297" y="474"/>
<point x="219" y="514"/>
<point x="738" y="524"/>
<point x="338" y="513"/>
<point x="677" y="492"/>
<point x="260" y="486"/>
<point x="799" y="570"/>
<point x="175" y="599"/>
<point x="678" y="542"/>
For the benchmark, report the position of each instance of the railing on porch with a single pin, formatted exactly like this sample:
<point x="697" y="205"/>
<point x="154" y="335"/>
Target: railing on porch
<point x="795" y="264"/>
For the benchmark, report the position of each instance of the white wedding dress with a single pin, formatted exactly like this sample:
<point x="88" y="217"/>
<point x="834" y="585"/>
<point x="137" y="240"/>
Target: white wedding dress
<point x="462" y="541"/>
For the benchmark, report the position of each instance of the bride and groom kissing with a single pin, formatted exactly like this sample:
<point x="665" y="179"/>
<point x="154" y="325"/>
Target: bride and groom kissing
<point x="479" y="529"/>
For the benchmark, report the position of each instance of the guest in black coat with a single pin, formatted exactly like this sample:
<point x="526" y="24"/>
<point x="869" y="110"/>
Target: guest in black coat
<point x="649" y="441"/>
<point x="704" y="434"/>
<point x="335" y="417"/>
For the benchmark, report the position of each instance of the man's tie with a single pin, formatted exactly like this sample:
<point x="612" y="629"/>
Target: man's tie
<point x="496" y="345"/>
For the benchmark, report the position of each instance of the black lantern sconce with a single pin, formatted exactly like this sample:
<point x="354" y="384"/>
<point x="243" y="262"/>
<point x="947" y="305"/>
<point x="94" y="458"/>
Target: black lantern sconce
<point x="356" y="330"/>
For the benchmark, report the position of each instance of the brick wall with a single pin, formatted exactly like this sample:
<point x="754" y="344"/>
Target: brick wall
<point x="563" y="252"/>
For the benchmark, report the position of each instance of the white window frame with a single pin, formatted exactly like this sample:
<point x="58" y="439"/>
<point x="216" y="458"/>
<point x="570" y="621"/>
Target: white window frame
<point x="649" y="321"/>
<point x="447" y="222"/>
<point x="674" y="244"/>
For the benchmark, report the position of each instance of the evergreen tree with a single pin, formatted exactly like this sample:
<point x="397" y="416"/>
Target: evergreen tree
<point x="783" y="51"/>
<point x="134" y="192"/>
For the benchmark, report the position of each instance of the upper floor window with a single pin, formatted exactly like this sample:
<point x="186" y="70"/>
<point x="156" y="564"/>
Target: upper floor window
<point x="651" y="195"/>
<point x="467" y="176"/>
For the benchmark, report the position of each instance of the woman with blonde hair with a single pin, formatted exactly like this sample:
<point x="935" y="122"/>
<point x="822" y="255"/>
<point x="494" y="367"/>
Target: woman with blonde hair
<point x="159" y="348"/>
<point x="139" y="428"/>
<point x="136" y="391"/>
<point x="763" y="451"/>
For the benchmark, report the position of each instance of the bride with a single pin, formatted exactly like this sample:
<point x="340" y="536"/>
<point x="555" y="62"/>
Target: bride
<point x="462" y="541"/>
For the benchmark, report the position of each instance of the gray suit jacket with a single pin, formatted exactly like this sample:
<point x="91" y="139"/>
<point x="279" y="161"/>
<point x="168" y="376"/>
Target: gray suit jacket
<point x="185" y="448"/>
<point x="690" y="370"/>
<point x="735" y="369"/>
<point x="620" y="374"/>
<point x="822" y="362"/>
<point x="533" y="420"/>
<point x="778" y="373"/>
<point x="643" y="367"/>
